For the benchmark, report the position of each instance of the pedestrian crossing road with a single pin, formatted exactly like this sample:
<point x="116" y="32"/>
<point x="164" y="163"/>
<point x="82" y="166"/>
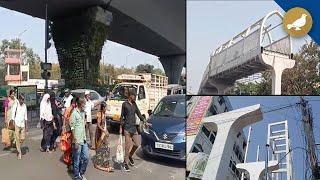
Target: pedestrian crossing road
<point x="38" y="165"/>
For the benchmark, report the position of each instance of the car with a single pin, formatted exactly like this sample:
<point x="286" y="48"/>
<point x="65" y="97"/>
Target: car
<point x="166" y="135"/>
<point x="95" y="98"/>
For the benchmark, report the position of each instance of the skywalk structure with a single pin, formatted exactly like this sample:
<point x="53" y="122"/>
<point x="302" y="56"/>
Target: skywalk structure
<point x="279" y="156"/>
<point x="258" y="48"/>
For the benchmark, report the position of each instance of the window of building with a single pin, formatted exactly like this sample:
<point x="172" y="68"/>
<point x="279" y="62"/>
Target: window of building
<point x="221" y="100"/>
<point x="212" y="110"/>
<point x="24" y="76"/>
<point x="205" y="131"/>
<point x="212" y="138"/>
<point x="233" y="168"/>
<point x="142" y="94"/>
<point x="14" y="69"/>
<point x="197" y="148"/>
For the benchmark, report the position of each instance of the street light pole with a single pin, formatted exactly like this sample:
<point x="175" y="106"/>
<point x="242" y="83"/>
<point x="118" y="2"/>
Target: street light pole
<point x="266" y="162"/>
<point x="46" y="46"/>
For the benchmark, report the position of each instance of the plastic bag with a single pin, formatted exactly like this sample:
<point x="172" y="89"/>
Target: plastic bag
<point x="5" y="137"/>
<point x="119" y="154"/>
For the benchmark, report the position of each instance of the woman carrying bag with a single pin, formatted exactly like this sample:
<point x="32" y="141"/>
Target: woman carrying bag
<point x="10" y="103"/>
<point x="101" y="160"/>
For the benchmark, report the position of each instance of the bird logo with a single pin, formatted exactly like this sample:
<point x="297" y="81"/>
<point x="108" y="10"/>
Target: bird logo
<point x="297" y="22"/>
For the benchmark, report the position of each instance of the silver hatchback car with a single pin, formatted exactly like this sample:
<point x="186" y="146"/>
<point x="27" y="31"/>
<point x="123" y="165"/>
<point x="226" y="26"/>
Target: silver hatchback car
<point x="96" y="98"/>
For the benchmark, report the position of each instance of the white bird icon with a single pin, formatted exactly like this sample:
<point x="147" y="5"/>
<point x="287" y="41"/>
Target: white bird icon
<point x="297" y="24"/>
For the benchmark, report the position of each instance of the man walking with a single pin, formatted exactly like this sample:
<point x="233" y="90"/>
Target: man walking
<point x="90" y="130"/>
<point x="80" y="151"/>
<point x="128" y="122"/>
<point x="20" y="117"/>
<point x="67" y="98"/>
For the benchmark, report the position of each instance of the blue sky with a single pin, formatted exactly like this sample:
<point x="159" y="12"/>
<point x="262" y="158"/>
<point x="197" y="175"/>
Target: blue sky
<point x="13" y="23"/>
<point x="212" y="23"/>
<point x="259" y="132"/>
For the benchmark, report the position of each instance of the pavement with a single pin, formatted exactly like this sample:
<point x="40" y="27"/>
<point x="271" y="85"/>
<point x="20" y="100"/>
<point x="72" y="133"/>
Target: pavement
<point x="43" y="165"/>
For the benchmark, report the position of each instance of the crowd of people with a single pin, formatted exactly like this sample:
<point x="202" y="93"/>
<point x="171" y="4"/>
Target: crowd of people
<point x="71" y="120"/>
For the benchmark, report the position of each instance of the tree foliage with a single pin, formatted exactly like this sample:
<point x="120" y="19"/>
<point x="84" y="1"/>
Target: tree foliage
<point x="148" y="68"/>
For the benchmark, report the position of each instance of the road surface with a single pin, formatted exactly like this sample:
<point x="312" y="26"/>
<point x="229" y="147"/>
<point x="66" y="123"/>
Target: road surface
<point x="48" y="166"/>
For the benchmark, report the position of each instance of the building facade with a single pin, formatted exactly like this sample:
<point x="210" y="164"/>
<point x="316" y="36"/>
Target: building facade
<point x="214" y="125"/>
<point x="17" y="70"/>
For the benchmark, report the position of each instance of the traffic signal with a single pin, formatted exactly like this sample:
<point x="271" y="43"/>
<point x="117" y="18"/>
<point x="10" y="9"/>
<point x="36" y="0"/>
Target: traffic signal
<point x="46" y="66"/>
<point x="46" y="74"/>
<point x="49" y="34"/>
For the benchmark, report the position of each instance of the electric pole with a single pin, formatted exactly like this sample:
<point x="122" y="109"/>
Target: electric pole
<point x="307" y="120"/>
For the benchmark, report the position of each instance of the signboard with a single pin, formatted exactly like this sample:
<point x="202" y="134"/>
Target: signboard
<point x="199" y="164"/>
<point x="29" y="93"/>
<point x="197" y="114"/>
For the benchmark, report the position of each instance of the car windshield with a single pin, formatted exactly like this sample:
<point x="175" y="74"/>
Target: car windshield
<point x="171" y="108"/>
<point x="121" y="92"/>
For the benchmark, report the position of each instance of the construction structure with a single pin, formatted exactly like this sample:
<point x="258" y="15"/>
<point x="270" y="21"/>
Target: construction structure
<point x="216" y="143"/>
<point x="278" y="158"/>
<point x="279" y="151"/>
<point x="258" y="48"/>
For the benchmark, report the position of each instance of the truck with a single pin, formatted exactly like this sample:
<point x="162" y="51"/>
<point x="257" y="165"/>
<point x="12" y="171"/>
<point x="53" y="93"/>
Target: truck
<point x="149" y="88"/>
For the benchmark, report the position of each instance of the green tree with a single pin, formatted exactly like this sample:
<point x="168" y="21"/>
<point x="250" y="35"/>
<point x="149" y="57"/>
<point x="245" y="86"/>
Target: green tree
<point x="148" y="68"/>
<point x="55" y="72"/>
<point x="144" y="68"/>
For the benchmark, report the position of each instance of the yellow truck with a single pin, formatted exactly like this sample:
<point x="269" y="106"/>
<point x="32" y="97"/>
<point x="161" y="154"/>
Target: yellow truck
<point x="149" y="88"/>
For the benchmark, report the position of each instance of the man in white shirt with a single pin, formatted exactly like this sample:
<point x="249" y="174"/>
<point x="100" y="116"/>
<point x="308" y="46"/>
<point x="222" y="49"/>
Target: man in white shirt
<point x="67" y="98"/>
<point x="90" y="129"/>
<point x="20" y="117"/>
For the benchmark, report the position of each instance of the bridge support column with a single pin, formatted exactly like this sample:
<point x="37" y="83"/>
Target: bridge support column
<point x="276" y="81"/>
<point x="279" y="64"/>
<point x="172" y="66"/>
<point x="223" y="88"/>
<point x="229" y="124"/>
<point x="79" y="39"/>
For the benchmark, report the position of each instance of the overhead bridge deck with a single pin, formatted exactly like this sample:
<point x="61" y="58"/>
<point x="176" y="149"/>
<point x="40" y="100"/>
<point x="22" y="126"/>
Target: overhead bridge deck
<point x="253" y="50"/>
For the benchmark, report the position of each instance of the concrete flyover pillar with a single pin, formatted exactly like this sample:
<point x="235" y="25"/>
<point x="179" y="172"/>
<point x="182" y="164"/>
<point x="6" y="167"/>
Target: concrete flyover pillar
<point x="256" y="170"/>
<point x="79" y="39"/>
<point x="278" y="63"/>
<point x="229" y="124"/>
<point x="172" y="66"/>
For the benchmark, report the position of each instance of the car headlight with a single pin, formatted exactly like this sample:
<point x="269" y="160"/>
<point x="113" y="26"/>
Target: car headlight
<point x="182" y="135"/>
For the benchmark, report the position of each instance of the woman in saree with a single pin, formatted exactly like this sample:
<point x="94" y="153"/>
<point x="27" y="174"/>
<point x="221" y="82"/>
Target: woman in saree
<point x="8" y="105"/>
<point x="101" y="160"/>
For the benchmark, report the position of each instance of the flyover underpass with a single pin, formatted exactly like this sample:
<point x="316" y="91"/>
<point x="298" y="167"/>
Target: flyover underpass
<point x="81" y="27"/>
